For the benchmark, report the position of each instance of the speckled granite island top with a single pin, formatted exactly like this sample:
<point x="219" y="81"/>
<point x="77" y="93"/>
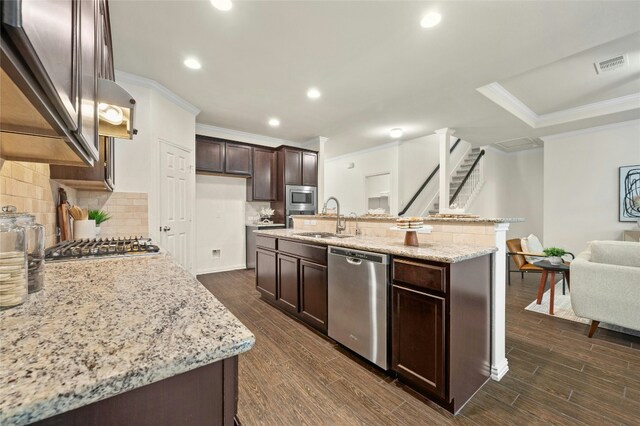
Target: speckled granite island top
<point x="436" y="251"/>
<point x="427" y="219"/>
<point x="103" y="327"/>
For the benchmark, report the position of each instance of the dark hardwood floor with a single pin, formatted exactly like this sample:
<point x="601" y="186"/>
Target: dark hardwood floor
<point x="295" y="376"/>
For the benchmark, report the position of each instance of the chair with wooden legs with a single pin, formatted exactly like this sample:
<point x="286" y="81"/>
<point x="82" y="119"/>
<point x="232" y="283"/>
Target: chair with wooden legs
<point x="514" y="251"/>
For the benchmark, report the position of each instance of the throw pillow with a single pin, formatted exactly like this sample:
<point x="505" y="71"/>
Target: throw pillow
<point x="532" y="244"/>
<point x="621" y="253"/>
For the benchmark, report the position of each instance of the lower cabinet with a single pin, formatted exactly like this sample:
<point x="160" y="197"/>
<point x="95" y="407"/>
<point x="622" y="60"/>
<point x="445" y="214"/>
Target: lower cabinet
<point x="266" y="273"/>
<point x="288" y="283"/>
<point x="313" y="294"/>
<point x="292" y="279"/>
<point x="418" y="347"/>
<point x="440" y="320"/>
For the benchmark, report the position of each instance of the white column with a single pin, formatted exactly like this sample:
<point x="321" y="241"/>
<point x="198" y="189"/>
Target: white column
<point x="499" y="363"/>
<point x="445" y="167"/>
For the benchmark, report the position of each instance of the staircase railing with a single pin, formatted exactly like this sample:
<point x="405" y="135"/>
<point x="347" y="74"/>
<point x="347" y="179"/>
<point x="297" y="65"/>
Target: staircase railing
<point x="425" y="183"/>
<point x="462" y="196"/>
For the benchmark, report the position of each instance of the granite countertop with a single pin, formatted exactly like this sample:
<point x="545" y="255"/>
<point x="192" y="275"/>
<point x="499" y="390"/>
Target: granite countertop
<point x="436" y="251"/>
<point x="263" y="225"/>
<point x="103" y="327"/>
<point x="426" y="219"/>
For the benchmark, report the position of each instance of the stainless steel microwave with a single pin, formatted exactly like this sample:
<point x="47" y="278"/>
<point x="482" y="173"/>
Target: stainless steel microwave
<point x="301" y="198"/>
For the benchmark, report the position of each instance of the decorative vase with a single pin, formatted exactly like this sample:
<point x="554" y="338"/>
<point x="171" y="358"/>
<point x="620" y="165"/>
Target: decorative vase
<point x="97" y="230"/>
<point x="555" y="260"/>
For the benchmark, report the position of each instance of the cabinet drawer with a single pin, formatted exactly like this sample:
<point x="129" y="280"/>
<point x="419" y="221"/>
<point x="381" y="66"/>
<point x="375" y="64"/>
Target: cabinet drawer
<point x="317" y="254"/>
<point x="419" y="274"/>
<point x="266" y="242"/>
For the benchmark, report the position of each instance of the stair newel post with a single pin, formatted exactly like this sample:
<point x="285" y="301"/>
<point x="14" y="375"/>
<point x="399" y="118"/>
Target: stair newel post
<point x="445" y="168"/>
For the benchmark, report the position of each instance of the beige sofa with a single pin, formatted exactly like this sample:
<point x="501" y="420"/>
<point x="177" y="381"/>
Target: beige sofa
<point x="605" y="284"/>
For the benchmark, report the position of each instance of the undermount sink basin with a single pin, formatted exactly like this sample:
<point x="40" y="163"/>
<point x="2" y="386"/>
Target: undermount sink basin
<point x="323" y="235"/>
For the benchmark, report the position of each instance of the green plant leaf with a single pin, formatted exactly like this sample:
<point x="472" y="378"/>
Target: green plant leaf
<point x="99" y="216"/>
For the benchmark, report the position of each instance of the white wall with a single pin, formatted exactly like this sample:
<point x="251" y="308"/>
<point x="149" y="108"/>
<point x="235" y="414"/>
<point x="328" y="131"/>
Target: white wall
<point x="581" y="183"/>
<point x="220" y="221"/>
<point x="348" y="185"/>
<point x="513" y="188"/>
<point x="160" y="116"/>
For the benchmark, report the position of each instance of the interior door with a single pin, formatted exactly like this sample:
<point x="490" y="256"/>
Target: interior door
<point x="175" y="217"/>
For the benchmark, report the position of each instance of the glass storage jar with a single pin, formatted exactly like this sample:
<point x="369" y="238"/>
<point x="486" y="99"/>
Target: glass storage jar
<point x="34" y="236"/>
<point x="13" y="262"/>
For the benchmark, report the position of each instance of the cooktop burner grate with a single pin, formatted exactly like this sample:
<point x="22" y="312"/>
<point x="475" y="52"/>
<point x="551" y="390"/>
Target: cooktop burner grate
<point x="98" y="247"/>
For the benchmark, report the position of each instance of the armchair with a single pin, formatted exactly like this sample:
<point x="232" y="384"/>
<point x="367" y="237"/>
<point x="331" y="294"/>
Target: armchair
<point x="606" y="284"/>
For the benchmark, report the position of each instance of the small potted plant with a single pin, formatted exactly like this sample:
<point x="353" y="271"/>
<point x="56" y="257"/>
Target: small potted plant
<point x="99" y="216"/>
<point x="554" y="255"/>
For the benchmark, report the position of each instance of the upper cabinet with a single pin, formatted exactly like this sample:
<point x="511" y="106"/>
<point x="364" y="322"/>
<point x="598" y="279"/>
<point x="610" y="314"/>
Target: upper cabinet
<point x="309" y="168"/>
<point x="238" y="159"/>
<point x="220" y="156"/>
<point x="52" y="55"/>
<point x="209" y="154"/>
<point x="292" y="166"/>
<point x="299" y="167"/>
<point x="262" y="184"/>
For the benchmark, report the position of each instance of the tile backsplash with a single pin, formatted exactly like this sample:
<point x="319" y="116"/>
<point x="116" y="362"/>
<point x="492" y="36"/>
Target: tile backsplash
<point x="28" y="187"/>
<point x="129" y="212"/>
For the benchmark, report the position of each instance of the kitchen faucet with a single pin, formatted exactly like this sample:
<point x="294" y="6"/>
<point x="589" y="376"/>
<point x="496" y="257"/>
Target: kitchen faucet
<point x="353" y="214"/>
<point x="339" y="226"/>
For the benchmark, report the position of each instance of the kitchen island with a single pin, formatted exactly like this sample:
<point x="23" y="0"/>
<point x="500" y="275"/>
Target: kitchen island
<point x="132" y="340"/>
<point x="439" y="303"/>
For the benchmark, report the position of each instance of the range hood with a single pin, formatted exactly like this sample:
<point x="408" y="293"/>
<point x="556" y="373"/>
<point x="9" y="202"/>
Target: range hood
<point x="116" y="110"/>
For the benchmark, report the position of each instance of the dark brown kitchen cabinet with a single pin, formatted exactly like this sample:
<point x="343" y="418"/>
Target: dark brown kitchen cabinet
<point x="51" y="59"/>
<point x="89" y="48"/>
<point x="50" y="51"/>
<point x="300" y="276"/>
<point x="440" y="321"/>
<point x="99" y="177"/>
<point x="309" y="168"/>
<point x="237" y="159"/>
<point x="266" y="273"/>
<point x="419" y="339"/>
<point x="313" y="294"/>
<point x="292" y="166"/>
<point x="262" y="184"/>
<point x="288" y="283"/>
<point x="210" y="154"/>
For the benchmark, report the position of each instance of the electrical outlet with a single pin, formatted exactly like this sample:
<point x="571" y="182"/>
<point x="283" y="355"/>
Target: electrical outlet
<point x="215" y="253"/>
<point x="307" y="222"/>
<point x="313" y="222"/>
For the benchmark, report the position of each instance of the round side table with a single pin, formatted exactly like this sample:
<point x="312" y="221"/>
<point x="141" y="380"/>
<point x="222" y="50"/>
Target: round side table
<point x="550" y="269"/>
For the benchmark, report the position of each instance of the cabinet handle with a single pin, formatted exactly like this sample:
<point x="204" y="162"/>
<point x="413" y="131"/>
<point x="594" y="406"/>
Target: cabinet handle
<point x="166" y="228"/>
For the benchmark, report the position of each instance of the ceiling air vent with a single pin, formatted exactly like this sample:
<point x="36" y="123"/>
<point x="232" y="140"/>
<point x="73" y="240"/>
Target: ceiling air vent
<point x="610" y="64"/>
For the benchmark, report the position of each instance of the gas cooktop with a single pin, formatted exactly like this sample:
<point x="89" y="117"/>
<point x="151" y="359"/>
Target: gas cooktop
<point x="100" y="247"/>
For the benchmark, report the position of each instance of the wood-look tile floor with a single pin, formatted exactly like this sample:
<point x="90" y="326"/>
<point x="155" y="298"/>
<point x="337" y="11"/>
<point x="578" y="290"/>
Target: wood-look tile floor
<point x="295" y="376"/>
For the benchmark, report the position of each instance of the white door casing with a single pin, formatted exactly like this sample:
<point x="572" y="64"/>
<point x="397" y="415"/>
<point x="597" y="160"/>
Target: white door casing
<point x="175" y="214"/>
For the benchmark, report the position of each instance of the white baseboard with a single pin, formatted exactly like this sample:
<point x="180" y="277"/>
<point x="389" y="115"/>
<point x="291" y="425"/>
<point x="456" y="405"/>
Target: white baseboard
<point x="221" y="269"/>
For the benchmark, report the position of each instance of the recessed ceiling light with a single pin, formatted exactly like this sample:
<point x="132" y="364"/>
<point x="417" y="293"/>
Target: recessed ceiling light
<point x="313" y="93"/>
<point x="223" y="5"/>
<point x="430" y="20"/>
<point x="192" y="63"/>
<point x="395" y="133"/>
<point x="274" y="122"/>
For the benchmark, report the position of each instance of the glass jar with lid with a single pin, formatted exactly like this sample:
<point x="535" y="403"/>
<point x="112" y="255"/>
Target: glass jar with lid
<point x="34" y="236"/>
<point x="13" y="262"/>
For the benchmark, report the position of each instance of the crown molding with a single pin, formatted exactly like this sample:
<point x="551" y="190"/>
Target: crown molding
<point x="238" y="134"/>
<point x="588" y="130"/>
<point x="364" y="151"/>
<point x="502" y="97"/>
<point x="122" y="76"/>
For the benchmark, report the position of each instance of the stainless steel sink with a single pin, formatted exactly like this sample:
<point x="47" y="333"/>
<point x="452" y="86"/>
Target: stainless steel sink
<point x="323" y="235"/>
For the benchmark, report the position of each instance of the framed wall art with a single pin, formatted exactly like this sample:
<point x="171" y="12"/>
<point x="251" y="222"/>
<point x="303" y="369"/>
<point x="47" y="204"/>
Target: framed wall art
<point x="629" y="204"/>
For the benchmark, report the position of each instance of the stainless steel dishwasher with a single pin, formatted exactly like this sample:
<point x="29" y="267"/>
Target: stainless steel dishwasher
<point x="357" y="302"/>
